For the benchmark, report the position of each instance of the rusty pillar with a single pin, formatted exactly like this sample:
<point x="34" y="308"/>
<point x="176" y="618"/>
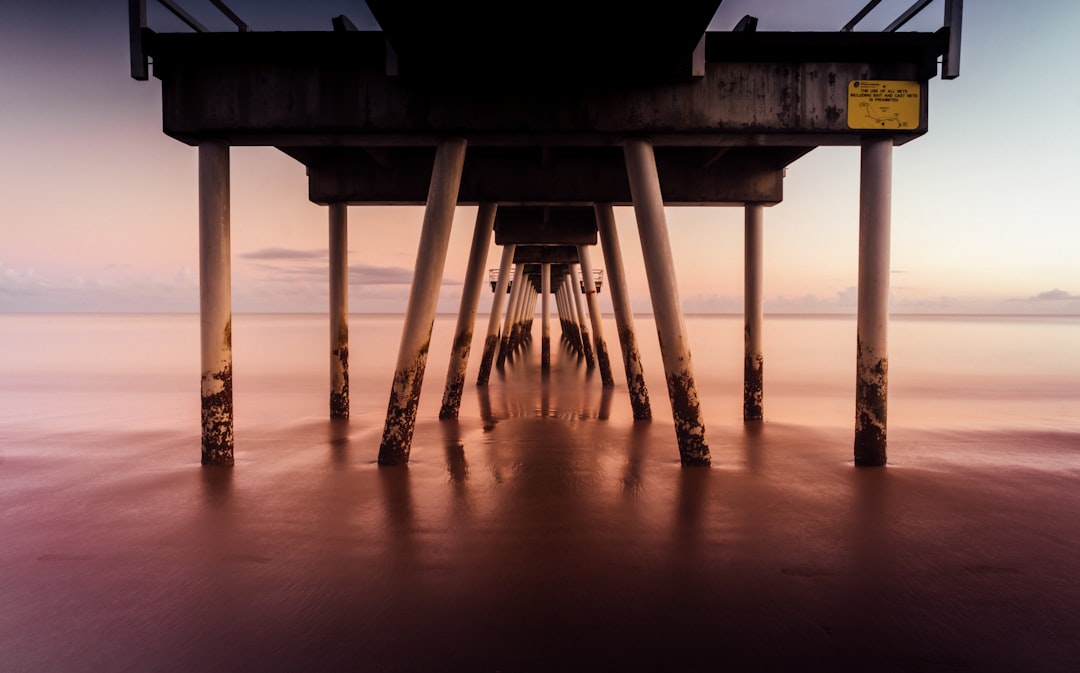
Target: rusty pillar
<point x="872" y="376"/>
<point x="624" y="316"/>
<point x="753" y="357"/>
<point x="215" y="304"/>
<point x="512" y="308"/>
<point x="491" y="341"/>
<point x="423" y="299"/>
<point x="470" y="298"/>
<point x="664" y="292"/>
<point x="599" y="345"/>
<point x="583" y="329"/>
<point x="545" y="317"/>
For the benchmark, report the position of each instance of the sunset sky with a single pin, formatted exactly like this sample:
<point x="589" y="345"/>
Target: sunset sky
<point x="98" y="206"/>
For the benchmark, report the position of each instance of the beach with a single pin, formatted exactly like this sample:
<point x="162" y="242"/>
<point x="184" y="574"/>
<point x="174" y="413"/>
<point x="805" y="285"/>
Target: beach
<point x="544" y="530"/>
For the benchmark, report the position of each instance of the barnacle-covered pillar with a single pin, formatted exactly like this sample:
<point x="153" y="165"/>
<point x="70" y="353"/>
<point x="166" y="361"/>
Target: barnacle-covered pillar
<point x="545" y="317"/>
<point x="491" y="341"/>
<point x="513" y="307"/>
<point x="470" y="298"/>
<point x="664" y="293"/>
<point x="423" y="299"/>
<point x="339" y="311"/>
<point x="573" y="328"/>
<point x="599" y="345"/>
<point x="753" y="357"/>
<point x="583" y="329"/>
<point x="872" y="369"/>
<point x="624" y="316"/>
<point x="215" y="304"/>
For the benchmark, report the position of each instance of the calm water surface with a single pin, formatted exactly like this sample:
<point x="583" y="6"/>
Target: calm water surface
<point x="544" y="530"/>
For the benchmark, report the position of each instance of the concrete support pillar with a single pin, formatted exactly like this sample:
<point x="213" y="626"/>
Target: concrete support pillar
<point x="491" y="341"/>
<point x="560" y="307"/>
<point x="569" y="290"/>
<point x="753" y="357"/>
<point x="423" y="298"/>
<point x="215" y="304"/>
<point x="583" y="328"/>
<point x="519" y="312"/>
<point x="599" y="345"/>
<point x="339" y="311"/>
<point x="470" y="298"/>
<point x="545" y="317"/>
<point x="664" y="292"/>
<point x="512" y="308"/>
<point x="530" y="313"/>
<point x="872" y="371"/>
<point x="624" y="316"/>
<point x="528" y="310"/>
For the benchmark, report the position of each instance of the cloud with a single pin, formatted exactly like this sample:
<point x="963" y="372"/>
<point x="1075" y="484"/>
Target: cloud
<point x="109" y="289"/>
<point x="310" y="268"/>
<point x="364" y="274"/>
<point x="844" y="301"/>
<point x="293" y="265"/>
<point x="284" y="254"/>
<point x="1055" y="295"/>
<point x="14" y="282"/>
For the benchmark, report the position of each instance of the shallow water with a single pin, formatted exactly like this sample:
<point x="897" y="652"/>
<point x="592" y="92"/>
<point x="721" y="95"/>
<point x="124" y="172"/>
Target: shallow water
<point x="545" y="530"/>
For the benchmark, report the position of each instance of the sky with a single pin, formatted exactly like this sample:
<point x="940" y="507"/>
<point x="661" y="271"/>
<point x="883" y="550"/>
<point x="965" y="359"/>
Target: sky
<point x="98" y="208"/>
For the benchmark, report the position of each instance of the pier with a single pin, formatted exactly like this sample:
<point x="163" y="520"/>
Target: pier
<point x="648" y="109"/>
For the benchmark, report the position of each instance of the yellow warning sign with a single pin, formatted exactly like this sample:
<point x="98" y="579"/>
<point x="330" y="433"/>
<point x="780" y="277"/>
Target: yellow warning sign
<point x="883" y="104"/>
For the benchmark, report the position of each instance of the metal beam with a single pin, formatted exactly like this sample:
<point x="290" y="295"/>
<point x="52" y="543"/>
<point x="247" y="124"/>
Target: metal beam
<point x="908" y="15"/>
<point x="180" y="13"/>
<point x="231" y="16"/>
<point x="850" y="25"/>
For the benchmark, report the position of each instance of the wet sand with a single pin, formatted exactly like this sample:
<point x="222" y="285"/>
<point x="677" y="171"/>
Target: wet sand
<point x="544" y="531"/>
<point x="539" y="544"/>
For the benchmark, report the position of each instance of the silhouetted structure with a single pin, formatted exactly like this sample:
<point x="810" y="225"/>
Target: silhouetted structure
<point x="593" y="105"/>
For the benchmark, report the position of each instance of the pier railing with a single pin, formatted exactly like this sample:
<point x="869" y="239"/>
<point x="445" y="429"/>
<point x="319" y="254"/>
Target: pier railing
<point x="954" y="11"/>
<point x="140" y="65"/>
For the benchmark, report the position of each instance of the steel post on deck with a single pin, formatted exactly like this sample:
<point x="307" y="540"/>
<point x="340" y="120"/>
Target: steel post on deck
<point x="470" y="299"/>
<point x="872" y="371"/>
<point x="491" y="340"/>
<point x="583" y="329"/>
<point x="545" y="317"/>
<point x="215" y="304"/>
<point x="339" y="311"/>
<point x="599" y="345"/>
<point x="753" y="357"/>
<point x="423" y="299"/>
<point x="663" y="290"/>
<point x="624" y="316"/>
<point x="512" y="307"/>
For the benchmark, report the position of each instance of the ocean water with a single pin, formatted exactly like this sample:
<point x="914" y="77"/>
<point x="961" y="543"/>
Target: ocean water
<point x="545" y="529"/>
<point x="138" y="371"/>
